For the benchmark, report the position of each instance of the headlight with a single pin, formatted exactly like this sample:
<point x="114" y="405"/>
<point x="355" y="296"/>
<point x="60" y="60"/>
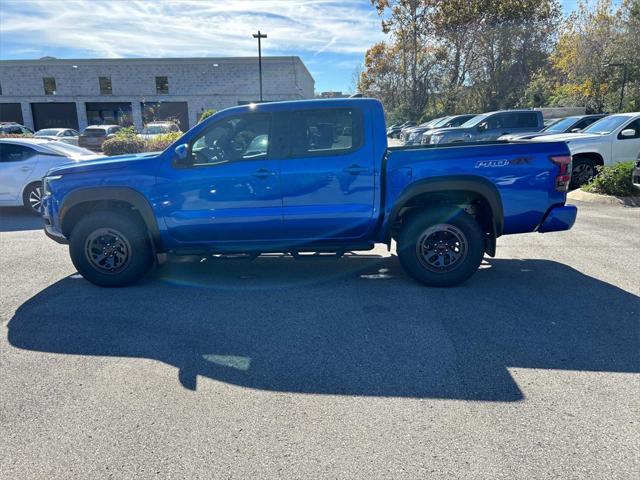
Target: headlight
<point x="46" y="183"/>
<point x="436" y="139"/>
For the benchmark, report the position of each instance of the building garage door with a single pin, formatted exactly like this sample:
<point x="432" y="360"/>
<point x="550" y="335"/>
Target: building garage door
<point x="54" y="115"/>
<point x="11" y="112"/>
<point x="109" y="113"/>
<point x="160" y="111"/>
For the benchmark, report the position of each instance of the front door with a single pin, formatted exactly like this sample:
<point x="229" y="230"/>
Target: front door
<point x="626" y="149"/>
<point x="328" y="178"/>
<point x="228" y="190"/>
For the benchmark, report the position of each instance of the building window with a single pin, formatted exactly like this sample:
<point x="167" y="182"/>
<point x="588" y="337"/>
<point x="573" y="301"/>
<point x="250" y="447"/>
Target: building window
<point x="162" y="85"/>
<point x="105" y="85"/>
<point x="49" y="85"/>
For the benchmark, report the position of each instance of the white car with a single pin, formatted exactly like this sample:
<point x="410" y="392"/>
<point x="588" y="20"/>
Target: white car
<point x="23" y="163"/>
<point x="611" y="140"/>
<point x="66" y="135"/>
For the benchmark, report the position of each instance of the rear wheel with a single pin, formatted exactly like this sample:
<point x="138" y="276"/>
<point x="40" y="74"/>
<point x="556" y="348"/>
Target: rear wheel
<point x="441" y="248"/>
<point x="582" y="171"/>
<point x="32" y="198"/>
<point x="110" y="249"/>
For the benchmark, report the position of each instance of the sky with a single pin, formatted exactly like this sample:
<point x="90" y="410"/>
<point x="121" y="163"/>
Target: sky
<point x="330" y="36"/>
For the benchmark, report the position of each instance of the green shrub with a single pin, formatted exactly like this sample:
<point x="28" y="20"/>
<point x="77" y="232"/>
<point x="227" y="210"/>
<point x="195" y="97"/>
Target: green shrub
<point x="15" y="135"/>
<point x="613" y="180"/>
<point x="127" y="143"/>
<point x="161" y="142"/>
<point x="206" y="114"/>
<point x="129" y="131"/>
<point x="123" y="144"/>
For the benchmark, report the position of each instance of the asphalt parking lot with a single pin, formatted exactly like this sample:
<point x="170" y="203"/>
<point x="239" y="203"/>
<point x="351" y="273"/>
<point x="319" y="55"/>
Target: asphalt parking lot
<point x="326" y="368"/>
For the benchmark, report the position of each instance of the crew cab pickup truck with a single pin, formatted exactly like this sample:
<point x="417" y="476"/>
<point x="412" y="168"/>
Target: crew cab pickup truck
<point x="613" y="139"/>
<point x="313" y="175"/>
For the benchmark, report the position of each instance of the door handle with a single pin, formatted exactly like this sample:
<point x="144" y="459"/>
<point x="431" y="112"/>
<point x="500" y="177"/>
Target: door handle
<point x="355" y="169"/>
<point x="264" y="173"/>
<point x="25" y="168"/>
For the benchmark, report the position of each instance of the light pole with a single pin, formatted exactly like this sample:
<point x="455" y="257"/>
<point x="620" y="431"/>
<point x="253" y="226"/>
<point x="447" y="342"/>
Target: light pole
<point x="260" y="36"/>
<point x="624" y="80"/>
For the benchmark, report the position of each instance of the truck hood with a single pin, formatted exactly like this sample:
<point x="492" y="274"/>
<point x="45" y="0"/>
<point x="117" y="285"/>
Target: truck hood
<point x="565" y="137"/>
<point x="104" y="163"/>
<point x="449" y="131"/>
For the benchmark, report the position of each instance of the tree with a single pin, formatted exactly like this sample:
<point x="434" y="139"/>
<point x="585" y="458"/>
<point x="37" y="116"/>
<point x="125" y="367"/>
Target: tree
<point x="206" y="114"/>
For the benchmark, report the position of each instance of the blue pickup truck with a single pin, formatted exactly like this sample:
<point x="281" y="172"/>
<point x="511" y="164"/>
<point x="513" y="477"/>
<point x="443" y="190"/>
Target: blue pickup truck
<point x="305" y="176"/>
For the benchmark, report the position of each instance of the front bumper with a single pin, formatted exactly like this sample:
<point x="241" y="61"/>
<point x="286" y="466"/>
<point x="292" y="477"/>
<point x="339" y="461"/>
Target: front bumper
<point x="558" y="219"/>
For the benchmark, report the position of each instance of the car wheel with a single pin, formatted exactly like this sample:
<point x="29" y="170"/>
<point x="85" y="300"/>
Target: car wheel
<point x="32" y="198"/>
<point x="110" y="249"/>
<point x="441" y="248"/>
<point x="582" y="171"/>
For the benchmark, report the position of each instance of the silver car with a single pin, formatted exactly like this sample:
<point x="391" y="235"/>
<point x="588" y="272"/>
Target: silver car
<point x="66" y="135"/>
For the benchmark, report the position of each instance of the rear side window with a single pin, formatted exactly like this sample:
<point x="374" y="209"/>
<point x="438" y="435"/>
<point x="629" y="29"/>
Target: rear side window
<point x="326" y="131"/>
<point x="526" y="120"/>
<point x="14" y="153"/>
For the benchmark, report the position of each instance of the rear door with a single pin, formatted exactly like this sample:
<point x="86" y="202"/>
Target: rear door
<point x="17" y="162"/>
<point x="328" y="177"/>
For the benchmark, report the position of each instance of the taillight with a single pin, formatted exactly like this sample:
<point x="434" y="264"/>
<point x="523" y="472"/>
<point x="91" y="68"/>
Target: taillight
<point x="563" y="178"/>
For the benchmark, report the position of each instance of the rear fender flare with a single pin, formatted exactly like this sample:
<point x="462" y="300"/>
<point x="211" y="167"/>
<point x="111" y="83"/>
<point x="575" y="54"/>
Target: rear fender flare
<point x="469" y="183"/>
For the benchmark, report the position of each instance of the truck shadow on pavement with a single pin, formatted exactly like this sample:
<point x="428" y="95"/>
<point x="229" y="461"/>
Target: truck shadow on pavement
<point x="355" y="326"/>
<point x="17" y="219"/>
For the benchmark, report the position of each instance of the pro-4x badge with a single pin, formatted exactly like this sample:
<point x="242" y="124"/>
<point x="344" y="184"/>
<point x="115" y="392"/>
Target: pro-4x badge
<point x="503" y="162"/>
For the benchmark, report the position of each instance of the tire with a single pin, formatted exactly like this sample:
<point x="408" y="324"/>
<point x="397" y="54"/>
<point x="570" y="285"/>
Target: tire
<point x="32" y="198"/>
<point x="582" y="171"/>
<point x="457" y="247"/>
<point x="126" y="253"/>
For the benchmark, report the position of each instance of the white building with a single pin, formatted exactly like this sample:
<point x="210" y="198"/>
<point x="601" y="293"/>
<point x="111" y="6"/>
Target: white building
<point x="52" y="92"/>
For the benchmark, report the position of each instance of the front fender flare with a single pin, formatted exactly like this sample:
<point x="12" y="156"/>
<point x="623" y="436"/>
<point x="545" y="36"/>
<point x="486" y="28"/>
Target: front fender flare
<point x="120" y="194"/>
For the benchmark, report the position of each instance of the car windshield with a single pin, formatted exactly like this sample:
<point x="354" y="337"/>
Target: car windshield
<point x="67" y="149"/>
<point x="440" y="122"/>
<point x="475" y="120"/>
<point x="561" y="125"/>
<point x="606" y="125"/>
<point x="47" y="132"/>
<point x="155" y="129"/>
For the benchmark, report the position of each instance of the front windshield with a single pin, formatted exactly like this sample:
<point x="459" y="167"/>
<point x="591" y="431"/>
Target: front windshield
<point x="561" y="125"/>
<point x="155" y="129"/>
<point x="441" y="122"/>
<point x="68" y="150"/>
<point x="606" y="125"/>
<point x="475" y="120"/>
<point x="47" y="132"/>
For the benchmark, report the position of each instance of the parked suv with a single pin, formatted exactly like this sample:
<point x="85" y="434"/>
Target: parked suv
<point x="155" y="129"/>
<point x="94" y="136"/>
<point x="490" y="126"/>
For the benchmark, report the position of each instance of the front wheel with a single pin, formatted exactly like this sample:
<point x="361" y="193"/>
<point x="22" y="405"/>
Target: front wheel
<point x="582" y="171"/>
<point x="441" y="248"/>
<point x="110" y="249"/>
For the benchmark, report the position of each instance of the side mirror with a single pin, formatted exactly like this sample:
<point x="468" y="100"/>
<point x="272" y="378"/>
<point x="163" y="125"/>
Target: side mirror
<point x="182" y="153"/>
<point x="483" y="126"/>
<point x="628" y="132"/>
<point x="575" y="130"/>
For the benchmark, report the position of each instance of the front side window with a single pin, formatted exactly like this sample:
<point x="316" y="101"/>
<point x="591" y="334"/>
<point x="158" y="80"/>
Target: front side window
<point x="105" y="85"/>
<point x="635" y="125"/>
<point x="162" y="85"/>
<point x="49" y="84"/>
<point x="329" y="131"/>
<point x="14" y="153"/>
<point x="232" y="139"/>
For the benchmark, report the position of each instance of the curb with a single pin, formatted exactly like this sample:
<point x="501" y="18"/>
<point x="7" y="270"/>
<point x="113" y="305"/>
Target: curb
<point x="582" y="196"/>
